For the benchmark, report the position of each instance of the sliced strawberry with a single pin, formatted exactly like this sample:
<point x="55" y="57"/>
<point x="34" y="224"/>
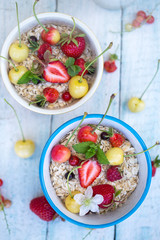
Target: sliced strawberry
<point x="56" y="72"/>
<point x="73" y="50"/>
<point x="89" y="171"/>
<point x="42" y="49"/>
<point x="116" y="140"/>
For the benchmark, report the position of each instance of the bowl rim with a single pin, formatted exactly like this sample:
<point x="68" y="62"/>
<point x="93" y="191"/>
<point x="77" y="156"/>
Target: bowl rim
<point x="148" y="160"/>
<point x="80" y="101"/>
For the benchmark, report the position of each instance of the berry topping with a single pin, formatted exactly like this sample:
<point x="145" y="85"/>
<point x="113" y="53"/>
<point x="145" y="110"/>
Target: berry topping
<point x="116" y="140"/>
<point x="42" y="49"/>
<point x="107" y="191"/>
<point x="142" y="14"/>
<point x="82" y="64"/>
<point x="60" y="153"/>
<point x="85" y="134"/>
<point x="115" y="156"/>
<point x="1" y="182"/>
<point x="66" y="96"/>
<point x="71" y="175"/>
<point x="104" y="136"/>
<point x="136" y="24"/>
<point x="89" y="171"/>
<point x="56" y="72"/>
<point x="150" y="19"/>
<point x="42" y="209"/>
<point x="155" y="165"/>
<point x="74" y="160"/>
<point x="113" y="174"/>
<point x="110" y="66"/>
<point x="7" y="203"/>
<point x="32" y="39"/>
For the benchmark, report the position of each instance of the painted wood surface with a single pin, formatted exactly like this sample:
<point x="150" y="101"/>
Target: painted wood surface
<point x="138" y="52"/>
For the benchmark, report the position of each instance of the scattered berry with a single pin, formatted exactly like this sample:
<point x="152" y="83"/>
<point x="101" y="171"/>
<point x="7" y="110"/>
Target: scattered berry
<point x="42" y="209"/>
<point x="71" y="175"/>
<point x="136" y="105"/>
<point x="1" y="182"/>
<point x="74" y="160"/>
<point x="104" y="136"/>
<point x="142" y="14"/>
<point x="110" y="66"/>
<point x="150" y="19"/>
<point x="7" y="203"/>
<point x="42" y="49"/>
<point x="89" y="171"/>
<point x="32" y="38"/>
<point x="73" y="50"/>
<point x="116" y="140"/>
<point x="128" y="27"/>
<point x="113" y="174"/>
<point x="66" y="96"/>
<point x="139" y="19"/>
<point x="107" y="191"/>
<point x="155" y="165"/>
<point x="136" y="24"/>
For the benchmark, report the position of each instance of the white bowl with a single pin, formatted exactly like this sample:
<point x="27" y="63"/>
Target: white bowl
<point x="51" y="18"/>
<point x="132" y="203"/>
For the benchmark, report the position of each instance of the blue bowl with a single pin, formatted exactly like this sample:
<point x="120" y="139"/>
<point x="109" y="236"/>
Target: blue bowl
<point x="132" y="203"/>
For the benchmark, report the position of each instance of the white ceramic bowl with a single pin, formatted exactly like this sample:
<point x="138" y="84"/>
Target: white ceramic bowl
<point x="51" y="18"/>
<point x="133" y="202"/>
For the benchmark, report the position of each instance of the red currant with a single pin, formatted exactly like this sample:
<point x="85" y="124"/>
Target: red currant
<point x="1" y="182"/>
<point x="74" y="160"/>
<point x="139" y="19"/>
<point x="150" y="19"/>
<point x="66" y="96"/>
<point x="135" y="24"/>
<point x="142" y="14"/>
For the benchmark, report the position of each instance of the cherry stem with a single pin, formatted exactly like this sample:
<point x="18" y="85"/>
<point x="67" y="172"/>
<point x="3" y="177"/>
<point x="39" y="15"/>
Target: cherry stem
<point x="16" y="69"/>
<point x="135" y="154"/>
<point x="88" y="233"/>
<point x="17" y="119"/>
<point x="40" y="61"/>
<point x="110" y="45"/>
<point x="85" y="114"/>
<point x="46" y="30"/>
<point x="151" y="80"/>
<point x="110" y="102"/>
<point x="150" y="15"/>
<point x="72" y="28"/>
<point x="5" y="217"/>
<point x="20" y="45"/>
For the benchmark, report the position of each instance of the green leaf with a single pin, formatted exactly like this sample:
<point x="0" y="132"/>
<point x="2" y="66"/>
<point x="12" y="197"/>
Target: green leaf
<point x="118" y="192"/>
<point x="113" y="57"/>
<point x="82" y="147"/>
<point x="157" y="162"/>
<point x="70" y="61"/>
<point x="35" y="81"/>
<point x="25" y="78"/>
<point x="75" y="42"/>
<point x="90" y="152"/>
<point x="73" y="70"/>
<point x="101" y="156"/>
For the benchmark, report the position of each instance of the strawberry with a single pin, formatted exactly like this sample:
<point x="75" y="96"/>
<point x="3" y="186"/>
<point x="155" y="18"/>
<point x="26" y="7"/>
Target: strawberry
<point x="89" y="171"/>
<point x="42" y="49"/>
<point x="155" y="165"/>
<point x="82" y="64"/>
<point x="56" y="72"/>
<point x="73" y="49"/>
<point x="49" y="95"/>
<point x="110" y="66"/>
<point x="107" y="191"/>
<point x="113" y="174"/>
<point x="116" y="140"/>
<point x="42" y="209"/>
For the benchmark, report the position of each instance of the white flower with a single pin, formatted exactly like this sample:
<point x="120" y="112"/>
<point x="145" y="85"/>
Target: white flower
<point x="87" y="202"/>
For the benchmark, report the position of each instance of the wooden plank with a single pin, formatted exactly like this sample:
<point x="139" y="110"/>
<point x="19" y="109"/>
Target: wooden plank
<point x="139" y="62"/>
<point x="21" y="177"/>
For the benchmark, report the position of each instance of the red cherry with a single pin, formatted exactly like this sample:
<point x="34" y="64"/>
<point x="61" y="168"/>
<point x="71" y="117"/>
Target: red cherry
<point x="66" y="96"/>
<point x="60" y="153"/>
<point x="52" y="36"/>
<point x="85" y="134"/>
<point x="135" y="23"/>
<point x="74" y="160"/>
<point x="142" y="14"/>
<point x="1" y="182"/>
<point x="150" y="19"/>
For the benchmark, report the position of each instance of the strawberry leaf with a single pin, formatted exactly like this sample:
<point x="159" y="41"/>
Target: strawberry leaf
<point x="70" y="61"/>
<point x="73" y="70"/>
<point x="75" y="42"/>
<point x="113" y="57"/>
<point x="82" y="147"/>
<point x="101" y="156"/>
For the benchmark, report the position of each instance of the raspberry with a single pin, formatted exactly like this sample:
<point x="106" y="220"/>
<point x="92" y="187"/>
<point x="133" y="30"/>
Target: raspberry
<point x="113" y="174"/>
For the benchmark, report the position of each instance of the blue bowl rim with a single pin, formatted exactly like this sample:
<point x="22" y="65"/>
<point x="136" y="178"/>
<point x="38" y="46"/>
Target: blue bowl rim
<point x="148" y="159"/>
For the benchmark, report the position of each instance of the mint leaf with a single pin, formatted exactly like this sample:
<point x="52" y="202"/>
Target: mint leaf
<point x="82" y="147"/>
<point x="90" y="153"/>
<point x="70" y="61"/>
<point x="73" y="70"/>
<point x="101" y="156"/>
<point x="25" y="78"/>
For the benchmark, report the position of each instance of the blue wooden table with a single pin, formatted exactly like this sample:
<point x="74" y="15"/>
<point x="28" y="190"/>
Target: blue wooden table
<point x="138" y="53"/>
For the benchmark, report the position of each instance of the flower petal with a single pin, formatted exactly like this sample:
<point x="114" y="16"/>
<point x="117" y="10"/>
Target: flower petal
<point x="83" y="210"/>
<point x="79" y="198"/>
<point x="98" y="199"/>
<point x="89" y="192"/>
<point x="94" y="207"/>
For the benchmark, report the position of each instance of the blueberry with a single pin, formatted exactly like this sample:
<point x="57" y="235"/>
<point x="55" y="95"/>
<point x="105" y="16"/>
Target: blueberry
<point x="104" y="136"/>
<point x="32" y="39"/>
<point x="71" y="176"/>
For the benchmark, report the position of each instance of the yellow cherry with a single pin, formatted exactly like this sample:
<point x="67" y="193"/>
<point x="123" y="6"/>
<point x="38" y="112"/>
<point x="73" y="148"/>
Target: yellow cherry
<point x="115" y="156"/>
<point x="136" y="105"/>
<point x="71" y="204"/>
<point x="24" y="149"/>
<point x="78" y="88"/>
<point x="18" y="53"/>
<point x="15" y="75"/>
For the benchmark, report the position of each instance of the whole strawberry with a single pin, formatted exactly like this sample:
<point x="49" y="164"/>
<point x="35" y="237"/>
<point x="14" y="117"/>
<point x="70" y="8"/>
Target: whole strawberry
<point x="42" y="209"/>
<point x="72" y="45"/>
<point x="116" y="140"/>
<point x="113" y="174"/>
<point x="83" y="64"/>
<point x="155" y="165"/>
<point x="110" y="65"/>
